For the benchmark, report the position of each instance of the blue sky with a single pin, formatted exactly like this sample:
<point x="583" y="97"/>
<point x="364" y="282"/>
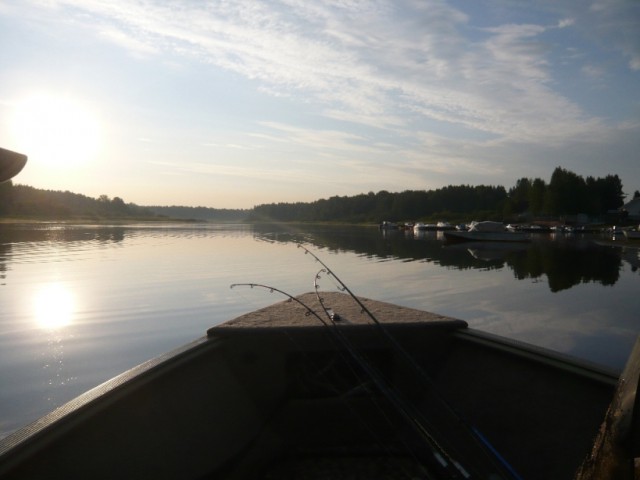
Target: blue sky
<point x="229" y="104"/>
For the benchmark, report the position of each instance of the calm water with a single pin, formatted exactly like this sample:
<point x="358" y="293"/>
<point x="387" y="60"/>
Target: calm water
<point x="81" y="304"/>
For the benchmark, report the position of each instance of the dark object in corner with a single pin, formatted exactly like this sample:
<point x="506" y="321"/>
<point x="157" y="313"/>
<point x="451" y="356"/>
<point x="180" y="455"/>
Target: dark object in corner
<point x="11" y="163"/>
<point x="618" y="444"/>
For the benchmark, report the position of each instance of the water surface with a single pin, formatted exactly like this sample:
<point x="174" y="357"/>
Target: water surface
<point x="80" y="304"/>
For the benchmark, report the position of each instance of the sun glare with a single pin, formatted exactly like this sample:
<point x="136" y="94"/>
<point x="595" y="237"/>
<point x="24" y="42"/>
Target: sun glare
<point x="56" y="130"/>
<point x="54" y="306"/>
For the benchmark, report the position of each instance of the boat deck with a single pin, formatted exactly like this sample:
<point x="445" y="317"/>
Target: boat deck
<point x="523" y="398"/>
<point x="291" y="314"/>
<point x="276" y="394"/>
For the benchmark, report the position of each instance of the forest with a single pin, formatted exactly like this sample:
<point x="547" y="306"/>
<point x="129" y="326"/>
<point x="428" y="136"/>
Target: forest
<point x="25" y="202"/>
<point x="22" y="201"/>
<point x="566" y="194"/>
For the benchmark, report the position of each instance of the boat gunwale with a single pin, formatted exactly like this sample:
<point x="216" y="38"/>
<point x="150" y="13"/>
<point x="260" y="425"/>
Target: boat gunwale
<point x="222" y="331"/>
<point x="18" y="445"/>
<point x="540" y="355"/>
<point x="110" y="391"/>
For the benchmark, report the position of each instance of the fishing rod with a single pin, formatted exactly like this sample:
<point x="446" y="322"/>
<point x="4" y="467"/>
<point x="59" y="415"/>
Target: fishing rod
<point x="308" y="309"/>
<point x="337" y="337"/>
<point x="473" y="432"/>
<point x="343" y="287"/>
<point x="410" y="413"/>
<point x="440" y="457"/>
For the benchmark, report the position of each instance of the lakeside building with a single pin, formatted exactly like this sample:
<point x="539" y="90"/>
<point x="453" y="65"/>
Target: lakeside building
<point x="632" y="208"/>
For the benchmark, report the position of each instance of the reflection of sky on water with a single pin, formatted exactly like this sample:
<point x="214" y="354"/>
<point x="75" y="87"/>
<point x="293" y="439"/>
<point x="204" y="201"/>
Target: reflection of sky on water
<point x="82" y="304"/>
<point x="582" y="312"/>
<point x="581" y="321"/>
<point x="631" y="256"/>
<point x="54" y="306"/>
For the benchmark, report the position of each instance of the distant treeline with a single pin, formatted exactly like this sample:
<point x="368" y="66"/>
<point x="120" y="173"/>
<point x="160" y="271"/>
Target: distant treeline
<point x="566" y="194"/>
<point x="375" y="207"/>
<point x="201" y="213"/>
<point x="24" y="201"/>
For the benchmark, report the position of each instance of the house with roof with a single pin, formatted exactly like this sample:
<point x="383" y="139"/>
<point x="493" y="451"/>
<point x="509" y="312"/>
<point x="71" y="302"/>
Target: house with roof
<point x="632" y="208"/>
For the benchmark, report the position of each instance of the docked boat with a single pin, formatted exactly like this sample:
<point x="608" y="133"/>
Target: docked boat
<point x="562" y="229"/>
<point x="459" y="236"/>
<point x="388" y="226"/>
<point x="486" y="232"/>
<point x="424" y="227"/>
<point x="432" y="227"/>
<point x="369" y="390"/>
<point x="632" y="234"/>
<point x="442" y="226"/>
<point x="528" y="228"/>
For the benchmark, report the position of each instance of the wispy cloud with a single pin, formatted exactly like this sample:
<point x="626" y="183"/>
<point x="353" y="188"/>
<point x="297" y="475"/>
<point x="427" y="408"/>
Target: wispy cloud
<point x="130" y="43"/>
<point x="366" y="62"/>
<point x="422" y="83"/>
<point x="593" y="71"/>
<point x="566" y="22"/>
<point x="618" y="26"/>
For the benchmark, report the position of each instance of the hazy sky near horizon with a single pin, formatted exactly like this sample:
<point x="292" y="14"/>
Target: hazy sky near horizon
<point x="230" y="104"/>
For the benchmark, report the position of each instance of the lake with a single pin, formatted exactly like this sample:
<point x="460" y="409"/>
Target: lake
<point x="83" y="303"/>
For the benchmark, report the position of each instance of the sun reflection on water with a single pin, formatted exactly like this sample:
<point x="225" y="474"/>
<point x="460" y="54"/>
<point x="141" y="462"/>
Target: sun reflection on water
<point x="54" y="306"/>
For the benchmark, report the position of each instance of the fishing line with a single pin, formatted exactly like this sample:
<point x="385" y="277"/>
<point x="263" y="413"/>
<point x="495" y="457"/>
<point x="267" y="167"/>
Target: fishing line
<point x="480" y="440"/>
<point x="310" y="312"/>
<point x="348" y="398"/>
<point x="442" y="458"/>
<point x="411" y="414"/>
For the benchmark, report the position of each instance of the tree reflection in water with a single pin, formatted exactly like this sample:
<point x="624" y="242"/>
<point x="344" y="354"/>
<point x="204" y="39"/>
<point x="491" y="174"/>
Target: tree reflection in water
<point x="565" y="261"/>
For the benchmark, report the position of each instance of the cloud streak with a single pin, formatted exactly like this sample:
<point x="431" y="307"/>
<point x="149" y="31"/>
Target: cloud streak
<point x="421" y="87"/>
<point x="368" y="62"/>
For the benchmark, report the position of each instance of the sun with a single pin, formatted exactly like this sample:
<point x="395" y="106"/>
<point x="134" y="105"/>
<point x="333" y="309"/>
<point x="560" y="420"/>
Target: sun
<point x="56" y="130"/>
<point x="53" y="306"/>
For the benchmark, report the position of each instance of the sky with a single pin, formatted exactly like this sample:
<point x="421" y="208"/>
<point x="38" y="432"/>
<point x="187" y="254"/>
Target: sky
<point x="232" y="104"/>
